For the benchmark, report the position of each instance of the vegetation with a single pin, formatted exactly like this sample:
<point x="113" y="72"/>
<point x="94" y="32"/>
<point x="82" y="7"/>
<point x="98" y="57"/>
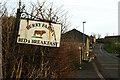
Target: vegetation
<point x="112" y="46"/>
<point x="30" y="61"/>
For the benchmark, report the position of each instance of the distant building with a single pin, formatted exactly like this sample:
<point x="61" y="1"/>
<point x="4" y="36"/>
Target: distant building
<point x="111" y="38"/>
<point x="119" y="18"/>
<point x="77" y="36"/>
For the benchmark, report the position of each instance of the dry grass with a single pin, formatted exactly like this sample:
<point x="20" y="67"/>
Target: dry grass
<point x="28" y="61"/>
<point x="66" y="57"/>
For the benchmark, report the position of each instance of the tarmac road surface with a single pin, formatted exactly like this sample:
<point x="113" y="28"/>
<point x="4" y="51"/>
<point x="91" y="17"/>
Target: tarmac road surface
<point x="107" y="62"/>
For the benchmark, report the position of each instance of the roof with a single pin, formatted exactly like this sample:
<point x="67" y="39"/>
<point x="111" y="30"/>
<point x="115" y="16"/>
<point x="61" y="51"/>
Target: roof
<point x="113" y="37"/>
<point x="118" y="36"/>
<point x="76" y="35"/>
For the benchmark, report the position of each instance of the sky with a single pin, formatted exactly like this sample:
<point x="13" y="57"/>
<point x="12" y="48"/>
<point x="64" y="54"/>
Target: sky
<point x="101" y="16"/>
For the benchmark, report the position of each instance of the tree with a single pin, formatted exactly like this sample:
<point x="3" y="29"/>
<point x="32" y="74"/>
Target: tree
<point x="48" y="12"/>
<point x="3" y="9"/>
<point x="39" y="60"/>
<point x="99" y="35"/>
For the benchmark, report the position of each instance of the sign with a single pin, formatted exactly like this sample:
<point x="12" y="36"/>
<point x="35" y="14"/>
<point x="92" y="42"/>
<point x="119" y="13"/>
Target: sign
<point x="39" y="33"/>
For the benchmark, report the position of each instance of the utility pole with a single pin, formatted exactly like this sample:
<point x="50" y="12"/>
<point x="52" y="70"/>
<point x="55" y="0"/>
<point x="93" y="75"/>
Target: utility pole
<point x="83" y="39"/>
<point x="83" y="32"/>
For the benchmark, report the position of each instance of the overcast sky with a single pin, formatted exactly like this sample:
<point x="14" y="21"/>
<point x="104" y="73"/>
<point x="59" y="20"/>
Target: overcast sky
<point x="101" y="16"/>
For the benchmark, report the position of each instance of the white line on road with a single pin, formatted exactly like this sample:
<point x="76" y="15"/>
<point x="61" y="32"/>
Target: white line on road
<point x="112" y="68"/>
<point x="101" y="46"/>
<point x="97" y="71"/>
<point x="111" y="64"/>
<point x="101" y="49"/>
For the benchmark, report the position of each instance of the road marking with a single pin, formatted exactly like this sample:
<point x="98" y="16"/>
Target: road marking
<point x="101" y="49"/>
<point x="111" y="64"/>
<point x="101" y="45"/>
<point x="112" y="68"/>
<point x="97" y="71"/>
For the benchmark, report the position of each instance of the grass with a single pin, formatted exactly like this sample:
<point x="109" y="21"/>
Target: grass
<point x="112" y="48"/>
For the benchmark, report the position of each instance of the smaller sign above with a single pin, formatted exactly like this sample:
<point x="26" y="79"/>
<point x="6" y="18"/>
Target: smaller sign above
<point x="39" y="33"/>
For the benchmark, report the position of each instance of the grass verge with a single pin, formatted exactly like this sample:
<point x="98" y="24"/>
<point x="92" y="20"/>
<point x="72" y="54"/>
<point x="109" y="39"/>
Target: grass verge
<point x="112" y="48"/>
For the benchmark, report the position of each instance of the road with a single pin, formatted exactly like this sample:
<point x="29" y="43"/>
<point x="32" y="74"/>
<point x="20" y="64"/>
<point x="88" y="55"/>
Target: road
<point x="107" y="63"/>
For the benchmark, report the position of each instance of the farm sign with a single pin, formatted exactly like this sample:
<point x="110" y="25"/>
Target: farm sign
<point x="39" y="33"/>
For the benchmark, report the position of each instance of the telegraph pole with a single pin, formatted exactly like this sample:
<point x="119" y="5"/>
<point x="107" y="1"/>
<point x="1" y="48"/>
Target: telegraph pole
<point x="83" y="39"/>
<point x="83" y="32"/>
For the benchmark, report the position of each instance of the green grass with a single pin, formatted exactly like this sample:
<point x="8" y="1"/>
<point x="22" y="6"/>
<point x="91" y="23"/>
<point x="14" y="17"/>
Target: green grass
<point x="112" y="48"/>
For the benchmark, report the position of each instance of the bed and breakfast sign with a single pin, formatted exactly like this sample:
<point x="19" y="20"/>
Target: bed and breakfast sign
<point x="39" y="33"/>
